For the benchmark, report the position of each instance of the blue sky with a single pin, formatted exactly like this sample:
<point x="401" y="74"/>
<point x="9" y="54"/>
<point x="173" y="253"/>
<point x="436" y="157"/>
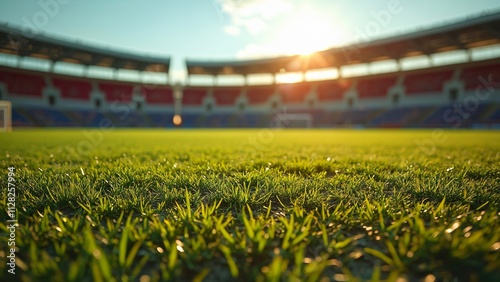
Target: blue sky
<point x="232" y="29"/>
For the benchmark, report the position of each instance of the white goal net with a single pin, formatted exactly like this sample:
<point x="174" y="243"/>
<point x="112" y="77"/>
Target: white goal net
<point x="5" y="116"/>
<point x="292" y="121"/>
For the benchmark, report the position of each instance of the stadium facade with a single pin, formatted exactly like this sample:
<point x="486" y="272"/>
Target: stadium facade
<point x="447" y="76"/>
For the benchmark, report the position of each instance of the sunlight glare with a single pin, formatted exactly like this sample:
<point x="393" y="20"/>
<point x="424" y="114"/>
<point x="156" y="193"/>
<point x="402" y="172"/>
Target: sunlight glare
<point x="289" y="77"/>
<point x="307" y="31"/>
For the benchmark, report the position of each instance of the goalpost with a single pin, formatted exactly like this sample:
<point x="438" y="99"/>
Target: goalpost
<point x="5" y="116"/>
<point x="292" y="121"/>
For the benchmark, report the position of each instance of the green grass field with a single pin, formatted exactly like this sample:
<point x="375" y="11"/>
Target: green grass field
<point x="252" y="205"/>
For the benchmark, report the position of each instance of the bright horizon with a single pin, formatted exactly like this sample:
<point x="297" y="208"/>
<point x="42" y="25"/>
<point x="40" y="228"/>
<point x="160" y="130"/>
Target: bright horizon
<point x="232" y="29"/>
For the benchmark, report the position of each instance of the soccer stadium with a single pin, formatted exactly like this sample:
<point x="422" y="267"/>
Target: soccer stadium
<point x="373" y="160"/>
<point x="456" y="89"/>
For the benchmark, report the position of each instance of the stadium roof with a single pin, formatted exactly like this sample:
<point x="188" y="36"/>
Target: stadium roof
<point x="29" y="44"/>
<point x="476" y="32"/>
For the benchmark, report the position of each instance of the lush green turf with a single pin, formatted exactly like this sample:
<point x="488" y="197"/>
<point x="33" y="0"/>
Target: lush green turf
<point x="217" y="205"/>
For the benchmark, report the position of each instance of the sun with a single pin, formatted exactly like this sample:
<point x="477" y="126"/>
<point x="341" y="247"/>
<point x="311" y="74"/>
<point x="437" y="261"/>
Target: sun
<point x="306" y="31"/>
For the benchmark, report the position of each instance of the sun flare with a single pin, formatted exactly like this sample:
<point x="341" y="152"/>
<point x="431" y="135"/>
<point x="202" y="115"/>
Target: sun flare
<point x="306" y="31"/>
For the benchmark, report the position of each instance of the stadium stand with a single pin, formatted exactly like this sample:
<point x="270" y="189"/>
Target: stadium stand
<point x="495" y="116"/>
<point x="117" y="92"/>
<point x="411" y="98"/>
<point x="87" y="118"/>
<point x="356" y="117"/>
<point x="257" y="95"/>
<point x="471" y="76"/>
<point x="20" y="120"/>
<point x="73" y="88"/>
<point x="246" y="120"/>
<point x="40" y="116"/>
<point x="194" y="96"/>
<point x="294" y="93"/>
<point x="226" y="96"/>
<point x="375" y="87"/>
<point x="332" y="90"/>
<point x="158" y="95"/>
<point x="430" y="82"/>
<point x="23" y="83"/>
<point x="160" y="119"/>
<point x="399" y="117"/>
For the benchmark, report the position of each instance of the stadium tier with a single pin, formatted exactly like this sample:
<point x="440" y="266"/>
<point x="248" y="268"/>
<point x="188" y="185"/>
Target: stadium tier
<point x="116" y="92"/>
<point x="194" y="96"/>
<point x="24" y="84"/>
<point x="434" y="97"/>
<point x="73" y="89"/>
<point x="332" y="90"/>
<point x="294" y="93"/>
<point x="458" y="94"/>
<point x="427" y="82"/>
<point x="259" y="95"/>
<point x="226" y="96"/>
<point x="471" y="76"/>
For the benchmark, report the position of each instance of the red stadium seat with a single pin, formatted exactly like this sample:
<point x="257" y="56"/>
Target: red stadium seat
<point x="159" y="96"/>
<point x="194" y="96"/>
<point x="226" y="96"/>
<point x="23" y="84"/>
<point x="294" y="92"/>
<point x="428" y="82"/>
<point x="332" y="90"/>
<point x="117" y="92"/>
<point x="259" y="94"/>
<point x="375" y="87"/>
<point x="73" y="89"/>
<point x="472" y="76"/>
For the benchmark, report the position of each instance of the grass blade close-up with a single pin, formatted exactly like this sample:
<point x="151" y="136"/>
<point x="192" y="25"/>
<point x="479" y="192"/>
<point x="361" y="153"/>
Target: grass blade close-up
<point x="252" y="205"/>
